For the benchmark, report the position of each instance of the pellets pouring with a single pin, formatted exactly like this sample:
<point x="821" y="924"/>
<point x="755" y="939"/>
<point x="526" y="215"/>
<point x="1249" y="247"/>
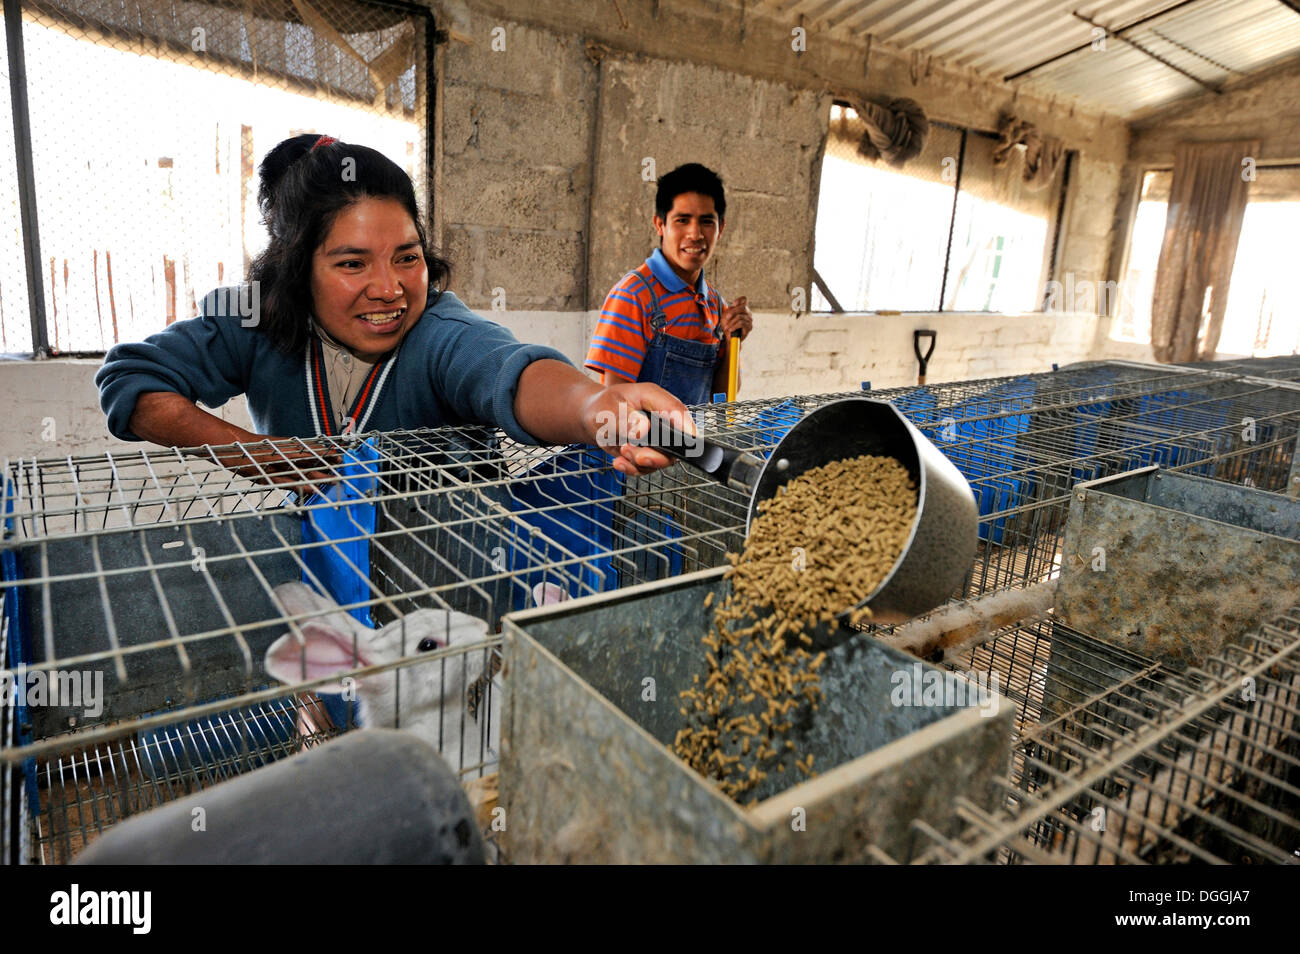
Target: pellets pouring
<point x="941" y="537"/>
<point x="829" y="535"/>
<point x="836" y="535"/>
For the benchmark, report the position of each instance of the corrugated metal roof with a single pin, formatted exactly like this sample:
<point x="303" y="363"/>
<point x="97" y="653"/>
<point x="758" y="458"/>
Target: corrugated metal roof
<point x="1214" y="40"/>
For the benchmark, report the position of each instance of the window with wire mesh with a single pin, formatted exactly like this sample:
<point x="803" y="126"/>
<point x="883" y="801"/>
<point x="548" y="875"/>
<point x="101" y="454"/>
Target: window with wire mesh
<point x="1262" y="316"/>
<point x="946" y="231"/>
<point x="149" y="119"/>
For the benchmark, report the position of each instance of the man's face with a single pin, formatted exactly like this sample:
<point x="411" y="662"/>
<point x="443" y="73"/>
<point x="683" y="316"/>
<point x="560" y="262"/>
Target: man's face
<point x="369" y="280"/>
<point x="690" y="233"/>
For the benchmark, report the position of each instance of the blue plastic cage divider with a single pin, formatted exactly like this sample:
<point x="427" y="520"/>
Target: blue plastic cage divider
<point x="1086" y="429"/>
<point x="1084" y="423"/>
<point x="918" y="407"/>
<point x="772" y="424"/>
<point x="18" y="645"/>
<point x="1017" y="396"/>
<point x="1175" y="412"/>
<point x="1157" y="415"/>
<point x="359" y="476"/>
<point x="651" y="526"/>
<point x="570" y="498"/>
<point x="986" y="429"/>
<point x="979" y="437"/>
<point x="353" y="517"/>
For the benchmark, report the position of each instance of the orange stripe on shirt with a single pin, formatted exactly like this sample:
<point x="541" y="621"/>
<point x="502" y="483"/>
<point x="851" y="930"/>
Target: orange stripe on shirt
<point x="623" y="331"/>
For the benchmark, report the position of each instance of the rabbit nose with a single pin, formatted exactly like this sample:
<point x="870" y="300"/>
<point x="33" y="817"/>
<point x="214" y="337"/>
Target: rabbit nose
<point x="428" y="644"/>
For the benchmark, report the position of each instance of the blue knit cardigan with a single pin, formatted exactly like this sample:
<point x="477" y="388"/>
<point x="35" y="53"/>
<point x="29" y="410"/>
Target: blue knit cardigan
<point x="452" y="367"/>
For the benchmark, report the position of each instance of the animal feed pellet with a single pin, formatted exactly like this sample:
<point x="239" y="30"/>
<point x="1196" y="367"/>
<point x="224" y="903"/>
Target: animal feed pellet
<point x="825" y="541"/>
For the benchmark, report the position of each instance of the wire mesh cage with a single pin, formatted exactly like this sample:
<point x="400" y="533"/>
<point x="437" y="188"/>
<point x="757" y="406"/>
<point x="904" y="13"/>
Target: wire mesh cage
<point x="153" y="584"/>
<point x="1024" y="442"/>
<point x="1148" y="767"/>
<point x="1281" y="367"/>
<point x="158" y="572"/>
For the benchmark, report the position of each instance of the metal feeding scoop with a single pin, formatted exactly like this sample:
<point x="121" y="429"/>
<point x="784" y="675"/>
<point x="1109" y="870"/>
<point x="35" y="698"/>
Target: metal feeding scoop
<point x="941" y="546"/>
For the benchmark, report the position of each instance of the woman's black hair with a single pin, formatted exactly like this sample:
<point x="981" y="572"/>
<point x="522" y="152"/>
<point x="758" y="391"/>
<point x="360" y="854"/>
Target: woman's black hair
<point x="303" y="189"/>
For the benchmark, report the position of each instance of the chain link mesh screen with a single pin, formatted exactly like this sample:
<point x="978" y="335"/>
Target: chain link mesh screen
<point x="149" y="120"/>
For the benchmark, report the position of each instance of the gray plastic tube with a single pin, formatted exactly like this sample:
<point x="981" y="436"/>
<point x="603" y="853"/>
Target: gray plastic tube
<point x="373" y="796"/>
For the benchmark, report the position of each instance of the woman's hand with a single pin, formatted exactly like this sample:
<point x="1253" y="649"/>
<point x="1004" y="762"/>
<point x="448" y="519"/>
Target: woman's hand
<point x="172" y="420"/>
<point x="558" y="404"/>
<point x="615" y="415"/>
<point x="301" y="466"/>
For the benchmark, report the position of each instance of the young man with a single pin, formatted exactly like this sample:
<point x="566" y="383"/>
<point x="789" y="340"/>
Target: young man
<point x="663" y="323"/>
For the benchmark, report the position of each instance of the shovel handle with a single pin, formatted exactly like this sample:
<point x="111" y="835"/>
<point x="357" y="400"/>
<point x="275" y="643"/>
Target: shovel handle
<point x="733" y="367"/>
<point x="923" y="359"/>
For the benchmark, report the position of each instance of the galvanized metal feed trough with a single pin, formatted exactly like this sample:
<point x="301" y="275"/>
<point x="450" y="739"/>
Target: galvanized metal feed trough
<point x="587" y="771"/>
<point x="1165" y="569"/>
<point x="1173" y="567"/>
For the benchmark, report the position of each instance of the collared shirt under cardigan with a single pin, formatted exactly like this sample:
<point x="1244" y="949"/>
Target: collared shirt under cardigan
<point x="453" y="367"/>
<point x="346" y="374"/>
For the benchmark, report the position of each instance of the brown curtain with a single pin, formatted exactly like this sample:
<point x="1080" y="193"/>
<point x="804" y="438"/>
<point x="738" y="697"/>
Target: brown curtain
<point x="1206" y="204"/>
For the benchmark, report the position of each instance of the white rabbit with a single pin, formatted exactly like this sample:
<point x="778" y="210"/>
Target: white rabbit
<point x="439" y="701"/>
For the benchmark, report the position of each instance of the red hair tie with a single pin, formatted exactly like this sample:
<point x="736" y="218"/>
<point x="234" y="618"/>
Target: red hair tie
<point x="323" y="141"/>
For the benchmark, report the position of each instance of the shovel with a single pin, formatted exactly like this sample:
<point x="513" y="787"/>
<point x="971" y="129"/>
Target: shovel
<point x="923" y="360"/>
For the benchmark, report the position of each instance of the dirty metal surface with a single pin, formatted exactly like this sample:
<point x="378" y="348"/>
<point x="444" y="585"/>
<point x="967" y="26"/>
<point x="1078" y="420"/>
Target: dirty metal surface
<point x="587" y="771"/>
<point x="1173" y="567"/>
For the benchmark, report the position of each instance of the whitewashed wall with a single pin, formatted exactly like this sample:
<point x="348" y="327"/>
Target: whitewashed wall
<point x="52" y="407"/>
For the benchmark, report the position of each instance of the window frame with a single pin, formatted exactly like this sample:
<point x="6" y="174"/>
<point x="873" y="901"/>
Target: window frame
<point x="1051" y="248"/>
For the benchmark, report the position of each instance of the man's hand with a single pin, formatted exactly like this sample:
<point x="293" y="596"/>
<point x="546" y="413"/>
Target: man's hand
<point x="737" y="319"/>
<point x="615" y="415"/>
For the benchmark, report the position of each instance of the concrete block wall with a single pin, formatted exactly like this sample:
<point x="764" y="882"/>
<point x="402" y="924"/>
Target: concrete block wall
<point x="763" y="138"/>
<point x="720" y="83"/>
<point x="513" y="169"/>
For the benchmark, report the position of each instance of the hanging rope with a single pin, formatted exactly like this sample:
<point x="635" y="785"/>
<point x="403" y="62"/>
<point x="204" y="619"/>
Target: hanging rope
<point x="895" y="133"/>
<point x="1043" y="154"/>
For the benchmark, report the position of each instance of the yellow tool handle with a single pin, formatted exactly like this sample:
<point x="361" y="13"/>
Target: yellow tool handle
<point x="733" y="367"/>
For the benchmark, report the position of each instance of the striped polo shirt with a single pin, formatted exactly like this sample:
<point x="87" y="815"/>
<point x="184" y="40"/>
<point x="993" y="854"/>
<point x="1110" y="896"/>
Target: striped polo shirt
<point x="623" y="332"/>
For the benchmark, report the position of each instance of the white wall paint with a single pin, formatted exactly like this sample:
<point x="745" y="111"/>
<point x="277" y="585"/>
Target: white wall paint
<point x="809" y="354"/>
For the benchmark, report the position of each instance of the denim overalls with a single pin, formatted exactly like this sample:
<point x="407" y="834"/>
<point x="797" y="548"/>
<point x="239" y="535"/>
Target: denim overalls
<point x="681" y="367"/>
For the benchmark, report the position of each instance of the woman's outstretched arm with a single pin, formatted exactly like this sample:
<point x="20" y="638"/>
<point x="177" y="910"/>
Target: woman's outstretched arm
<point x="172" y="420"/>
<point x="558" y="404"/>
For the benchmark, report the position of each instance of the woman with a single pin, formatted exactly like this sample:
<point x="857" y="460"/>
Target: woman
<point x="348" y="328"/>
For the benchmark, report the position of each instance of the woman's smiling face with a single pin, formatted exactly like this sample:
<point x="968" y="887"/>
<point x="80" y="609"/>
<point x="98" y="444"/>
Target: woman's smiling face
<point x="369" y="280"/>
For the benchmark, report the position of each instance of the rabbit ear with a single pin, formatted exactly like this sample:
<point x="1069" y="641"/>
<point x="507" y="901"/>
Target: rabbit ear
<point x="298" y="598"/>
<point x="323" y="651"/>
<point x="545" y="594"/>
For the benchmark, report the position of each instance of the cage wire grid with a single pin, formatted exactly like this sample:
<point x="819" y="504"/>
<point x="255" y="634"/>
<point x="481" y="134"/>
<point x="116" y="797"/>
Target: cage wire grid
<point x="1137" y="763"/>
<point x="466" y="520"/>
